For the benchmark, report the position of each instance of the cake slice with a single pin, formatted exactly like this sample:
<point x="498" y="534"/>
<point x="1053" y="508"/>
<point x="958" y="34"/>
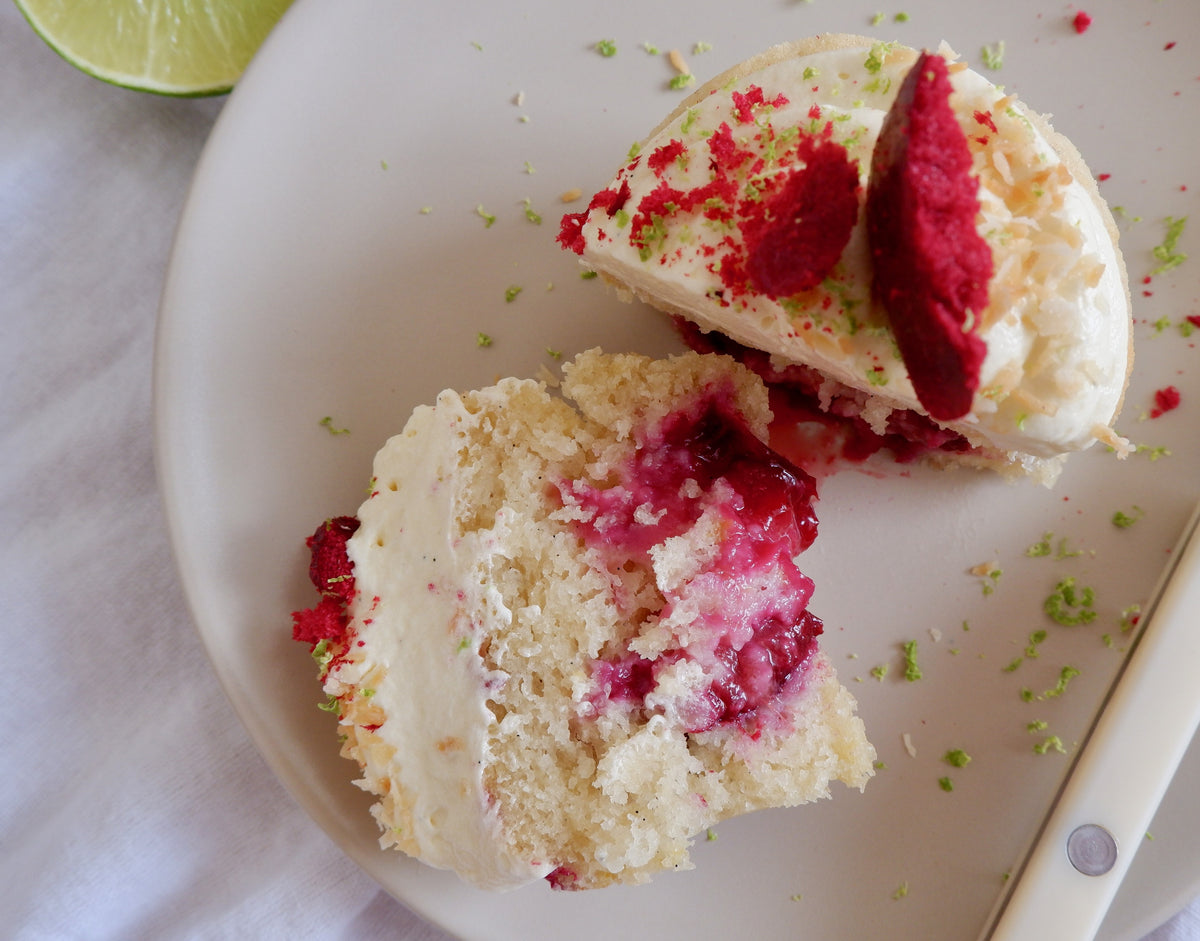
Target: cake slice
<point x="566" y="633"/>
<point x="771" y="215"/>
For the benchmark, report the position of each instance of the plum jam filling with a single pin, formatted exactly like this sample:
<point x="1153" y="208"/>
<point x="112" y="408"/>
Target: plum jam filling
<point x="703" y="485"/>
<point x="809" y="434"/>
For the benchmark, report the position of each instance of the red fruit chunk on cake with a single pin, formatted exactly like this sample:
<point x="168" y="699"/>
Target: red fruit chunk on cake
<point x="931" y="266"/>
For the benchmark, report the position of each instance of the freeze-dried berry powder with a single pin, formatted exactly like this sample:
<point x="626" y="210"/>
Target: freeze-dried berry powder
<point x="931" y="265"/>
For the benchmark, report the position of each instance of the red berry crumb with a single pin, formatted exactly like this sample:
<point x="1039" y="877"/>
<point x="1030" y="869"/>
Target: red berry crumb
<point x="332" y="573"/>
<point x="802" y="229"/>
<point x="1081" y="22"/>
<point x="931" y="266"/>
<point x="1165" y="400"/>
<point x="330" y="570"/>
<point x="326" y="621"/>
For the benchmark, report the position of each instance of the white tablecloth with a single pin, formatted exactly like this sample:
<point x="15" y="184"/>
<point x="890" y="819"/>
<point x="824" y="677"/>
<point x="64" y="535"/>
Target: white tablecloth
<point x="133" y="803"/>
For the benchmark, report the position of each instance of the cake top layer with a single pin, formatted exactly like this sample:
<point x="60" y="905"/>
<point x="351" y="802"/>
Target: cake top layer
<point x="683" y="223"/>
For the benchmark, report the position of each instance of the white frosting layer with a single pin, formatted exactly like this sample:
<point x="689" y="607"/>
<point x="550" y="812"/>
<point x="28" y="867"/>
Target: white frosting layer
<point x="1057" y="327"/>
<point x="416" y="591"/>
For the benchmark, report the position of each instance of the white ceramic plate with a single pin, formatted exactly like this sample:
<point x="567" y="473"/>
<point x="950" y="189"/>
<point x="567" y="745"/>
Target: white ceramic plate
<point x="307" y="282"/>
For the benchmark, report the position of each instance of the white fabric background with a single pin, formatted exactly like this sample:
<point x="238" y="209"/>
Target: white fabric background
<point x="132" y="803"/>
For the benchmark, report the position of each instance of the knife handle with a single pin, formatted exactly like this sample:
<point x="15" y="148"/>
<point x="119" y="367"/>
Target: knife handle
<point x="1102" y="811"/>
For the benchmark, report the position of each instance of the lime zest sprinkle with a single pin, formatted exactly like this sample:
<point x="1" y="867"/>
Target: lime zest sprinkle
<point x="607" y="48"/>
<point x="331" y="704"/>
<point x="1167" y="252"/>
<point x="532" y="216"/>
<point x="710" y="834"/>
<point x="487" y="217"/>
<point x="511" y="292"/>
<point x="327" y="424"/>
<point x="1050" y="742"/>
<point x="1130" y="617"/>
<point x="701" y="46"/>
<point x="1067" y="607"/>
<point x="879" y="672"/>
<point x="1037" y="725"/>
<point x="912" y="672"/>
<point x="879" y="52"/>
<point x="901" y="891"/>
<point x="1123" y="520"/>
<point x="1040" y="549"/>
<point x="877" y="18"/>
<point x="1154" y="453"/>
<point x="651" y="49"/>
<point x="993" y="55"/>
<point x="483" y="339"/>
<point x="682" y="80"/>
<point x="1065" y="676"/>
<point x="957" y="758"/>
<point x="901" y="17"/>
<point x="946" y="784"/>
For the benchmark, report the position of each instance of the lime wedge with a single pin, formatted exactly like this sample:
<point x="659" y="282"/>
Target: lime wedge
<point x="171" y="47"/>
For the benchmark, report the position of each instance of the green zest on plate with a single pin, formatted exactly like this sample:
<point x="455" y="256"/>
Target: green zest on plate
<point x="1167" y="253"/>
<point x="957" y="758"/>
<point x="912" y="672"/>
<point x="993" y="55"/>
<point x="1069" y="607"/>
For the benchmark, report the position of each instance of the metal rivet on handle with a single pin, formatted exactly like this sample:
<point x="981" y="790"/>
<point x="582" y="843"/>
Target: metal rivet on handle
<point x="1092" y="849"/>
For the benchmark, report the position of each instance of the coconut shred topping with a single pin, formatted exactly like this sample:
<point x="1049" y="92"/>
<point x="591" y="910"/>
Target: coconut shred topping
<point x="691" y="222"/>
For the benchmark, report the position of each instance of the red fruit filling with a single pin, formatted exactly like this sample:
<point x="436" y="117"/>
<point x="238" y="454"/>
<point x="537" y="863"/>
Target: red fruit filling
<point x="332" y="574"/>
<point x="753" y="633"/>
<point x="816" y="438"/>
<point x="931" y="266"/>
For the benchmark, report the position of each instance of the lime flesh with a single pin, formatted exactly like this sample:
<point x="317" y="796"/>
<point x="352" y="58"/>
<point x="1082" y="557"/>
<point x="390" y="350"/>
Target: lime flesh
<point x="172" y="47"/>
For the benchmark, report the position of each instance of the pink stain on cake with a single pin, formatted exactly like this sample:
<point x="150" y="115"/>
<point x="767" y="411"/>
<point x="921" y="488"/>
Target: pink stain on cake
<point x="753" y="633"/>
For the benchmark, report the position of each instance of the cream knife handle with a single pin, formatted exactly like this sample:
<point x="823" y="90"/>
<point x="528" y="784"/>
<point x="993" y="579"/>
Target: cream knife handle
<point x="1123" y="768"/>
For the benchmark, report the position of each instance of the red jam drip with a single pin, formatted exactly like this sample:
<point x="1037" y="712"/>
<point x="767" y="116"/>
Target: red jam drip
<point x="754" y="630"/>
<point x="818" y="439"/>
<point x="332" y="574"/>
